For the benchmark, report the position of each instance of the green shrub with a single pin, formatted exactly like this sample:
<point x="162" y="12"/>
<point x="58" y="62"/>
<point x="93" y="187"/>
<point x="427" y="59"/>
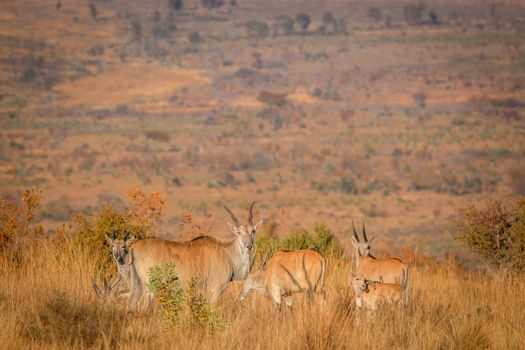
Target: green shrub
<point x="325" y="241"/>
<point x="202" y="314"/>
<point x="164" y="282"/>
<point x="322" y="240"/>
<point x="300" y="239"/>
<point x="177" y="305"/>
<point x="90" y="232"/>
<point x="497" y="232"/>
<point x="265" y="247"/>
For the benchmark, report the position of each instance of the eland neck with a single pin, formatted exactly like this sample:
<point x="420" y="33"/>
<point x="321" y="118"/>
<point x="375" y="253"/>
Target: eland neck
<point x="239" y="258"/>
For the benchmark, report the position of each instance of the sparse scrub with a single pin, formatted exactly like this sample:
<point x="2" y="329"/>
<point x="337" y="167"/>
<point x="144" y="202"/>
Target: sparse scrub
<point x="158" y="135"/>
<point x="256" y="28"/>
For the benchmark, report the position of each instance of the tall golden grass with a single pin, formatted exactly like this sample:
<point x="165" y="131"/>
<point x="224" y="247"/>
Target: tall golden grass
<point x="47" y="301"/>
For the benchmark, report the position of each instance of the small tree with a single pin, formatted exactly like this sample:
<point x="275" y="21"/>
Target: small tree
<point x="156" y="17"/>
<point x="433" y="17"/>
<point x="257" y="28"/>
<point x="175" y="4"/>
<point x="136" y="28"/>
<point x="329" y="21"/>
<point x="164" y="282"/>
<point x="496" y="232"/>
<point x="93" y="11"/>
<point x="375" y="14"/>
<point x="303" y="20"/>
<point x="194" y="37"/>
<point x="210" y="4"/>
<point x="284" y="24"/>
<point x="413" y="13"/>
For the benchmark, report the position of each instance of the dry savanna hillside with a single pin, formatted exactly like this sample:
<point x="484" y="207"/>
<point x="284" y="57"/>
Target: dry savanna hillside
<point x="149" y="115"/>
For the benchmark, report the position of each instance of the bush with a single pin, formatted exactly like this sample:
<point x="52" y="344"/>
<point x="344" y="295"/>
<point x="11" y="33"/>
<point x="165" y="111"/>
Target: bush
<point x="303" y="20"/>
<point x="177" y="305"/>
<point x="91" y="231"/>
<point x="283" y="24"/>
<point x="210" y="4"/>
<point x="202" y="315"/>
<point x="16" y="222"/>
<point x="375" y="14"/>
<point x="433" y="17"/>
<point x="257" y="28"/>
<point x="322" y="240"/>
<point x="175" y="4"/>
<point x="93" y="11"/>
<point x="194" y="37"/>
<point x="164" y="282"/>
<point x="413" y="13"/>
<point x="497" y="232"/>
<point x="158" y="135"/>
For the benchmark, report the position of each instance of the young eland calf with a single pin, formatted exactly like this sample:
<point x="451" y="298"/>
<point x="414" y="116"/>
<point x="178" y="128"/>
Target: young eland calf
<point x="370" y="294"/>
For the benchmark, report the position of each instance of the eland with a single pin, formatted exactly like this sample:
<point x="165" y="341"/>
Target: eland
<point x="287" y="273"/>
<point x="213" y="262"/>
<point x="389" y="270"/>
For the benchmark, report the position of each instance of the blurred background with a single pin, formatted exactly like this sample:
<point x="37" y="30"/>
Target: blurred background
<point x="397" y="113"/>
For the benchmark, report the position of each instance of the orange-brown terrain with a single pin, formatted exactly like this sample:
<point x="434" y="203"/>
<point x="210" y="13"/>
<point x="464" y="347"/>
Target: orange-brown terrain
<point x="389" y="112"/>
<point x="378" y="120"/>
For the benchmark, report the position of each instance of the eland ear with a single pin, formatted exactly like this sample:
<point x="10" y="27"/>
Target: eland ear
<point x="130" y="241"/>
<point x="109" y="240"/>
<point x="257" y="225"/>
<point x="233" y="228"/>
<point x="371" y="239"/>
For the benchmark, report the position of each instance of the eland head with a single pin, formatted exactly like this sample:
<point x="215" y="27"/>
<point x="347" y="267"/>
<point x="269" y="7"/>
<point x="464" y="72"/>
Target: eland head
<point x="245" y="233"/>
<point x="363" y="248"/>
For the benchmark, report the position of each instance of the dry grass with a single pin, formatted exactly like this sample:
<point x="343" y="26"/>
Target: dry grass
<point x="48" y="302"/>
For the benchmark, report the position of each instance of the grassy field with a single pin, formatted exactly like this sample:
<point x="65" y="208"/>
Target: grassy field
<point x="49" y="302"/>
<point x="376" y="111"/>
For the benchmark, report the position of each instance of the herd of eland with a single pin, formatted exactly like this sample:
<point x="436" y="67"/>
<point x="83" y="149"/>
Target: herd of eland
<point x="216" y="263"/>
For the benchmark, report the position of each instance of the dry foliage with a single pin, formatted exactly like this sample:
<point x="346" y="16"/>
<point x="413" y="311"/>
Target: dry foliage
<point x="16" y="222"/>
<point x="497" y="232"/>
<point x="50" y="303"/>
